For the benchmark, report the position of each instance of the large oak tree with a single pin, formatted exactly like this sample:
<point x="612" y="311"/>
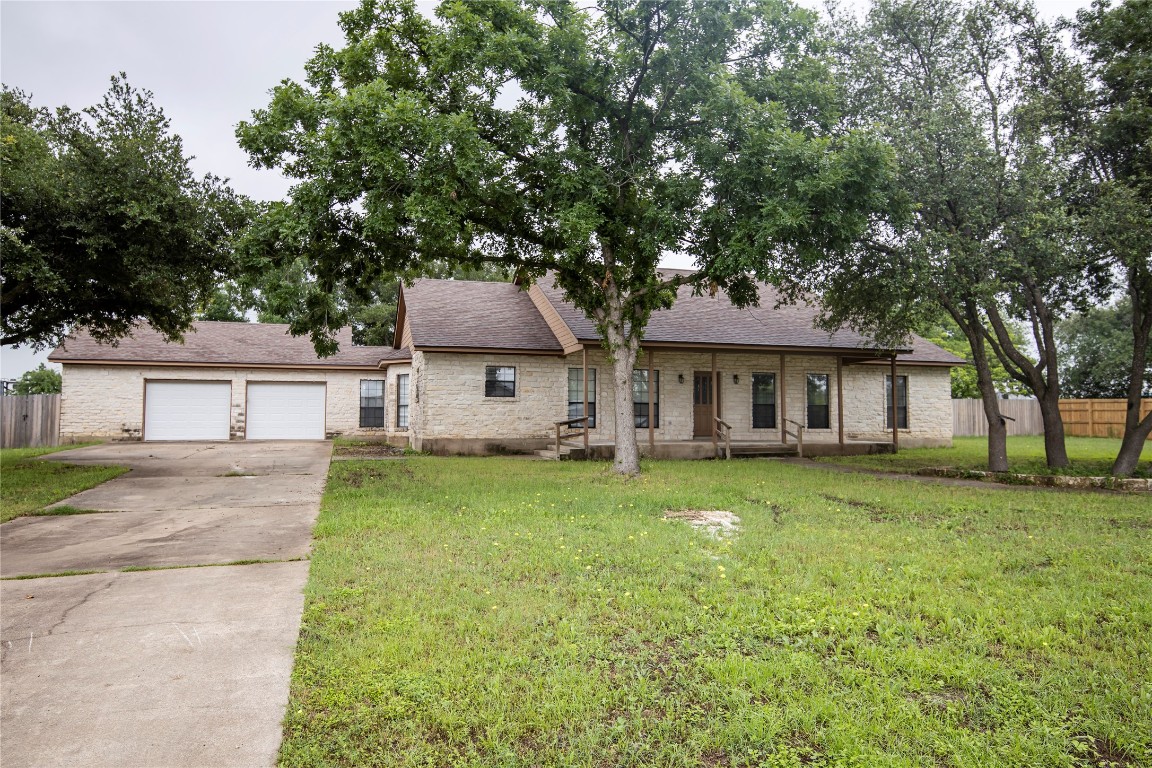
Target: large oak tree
<point x="585" y="141"/>
<point x="102" y="222"/>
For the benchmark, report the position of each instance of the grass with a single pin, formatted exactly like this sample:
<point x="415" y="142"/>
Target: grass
<point x="28" y="486"/>
<point x="502" y="612"/>
<point x="1090" y="457"/>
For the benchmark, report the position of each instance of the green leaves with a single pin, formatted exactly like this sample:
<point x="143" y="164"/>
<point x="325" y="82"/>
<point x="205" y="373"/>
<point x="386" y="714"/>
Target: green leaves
<point x="104" y="224"/>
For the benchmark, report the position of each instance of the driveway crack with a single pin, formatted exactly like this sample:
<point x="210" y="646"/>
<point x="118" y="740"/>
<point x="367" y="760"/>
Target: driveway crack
<point x="64" y="616"/>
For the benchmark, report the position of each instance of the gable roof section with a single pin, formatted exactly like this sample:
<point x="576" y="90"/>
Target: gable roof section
<point x="463" y="314"/>
<point x="716" y="322"/>
<point x="226" y="344"/>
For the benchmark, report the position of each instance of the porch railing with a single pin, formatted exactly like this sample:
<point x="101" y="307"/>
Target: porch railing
<point x="723" y="431"/>
<point x="798" y="434"/>
<point x="561" y="434"/>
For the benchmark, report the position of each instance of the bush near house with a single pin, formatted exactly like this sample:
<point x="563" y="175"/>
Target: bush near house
<point x="504" y="612"/>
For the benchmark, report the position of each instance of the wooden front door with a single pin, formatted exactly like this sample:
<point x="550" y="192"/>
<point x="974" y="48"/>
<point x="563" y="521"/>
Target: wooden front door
<point x="702" y="403"/>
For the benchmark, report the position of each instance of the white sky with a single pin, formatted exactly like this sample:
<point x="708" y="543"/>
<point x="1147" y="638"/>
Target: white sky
<point x="209" y="64"/>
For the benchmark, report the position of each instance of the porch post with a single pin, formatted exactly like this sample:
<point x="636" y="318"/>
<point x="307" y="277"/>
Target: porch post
<point x="783" y="403"/>
<point x="715" y="399"/>
<point x="652" y="394"/>
<point x="840" y="397"/>
<point x="895" y="421"/>
<point x="584" y="361"/>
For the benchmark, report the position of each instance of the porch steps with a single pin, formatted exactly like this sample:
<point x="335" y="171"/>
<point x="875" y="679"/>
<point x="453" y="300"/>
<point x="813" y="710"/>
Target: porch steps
<point x="764" y="451"/>
<point x="567" y="453"/>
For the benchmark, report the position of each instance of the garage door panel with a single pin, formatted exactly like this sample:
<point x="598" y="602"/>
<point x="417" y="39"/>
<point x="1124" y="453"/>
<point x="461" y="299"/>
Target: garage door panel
<point x="285" y="411"/>
<point x="187" y="410"/>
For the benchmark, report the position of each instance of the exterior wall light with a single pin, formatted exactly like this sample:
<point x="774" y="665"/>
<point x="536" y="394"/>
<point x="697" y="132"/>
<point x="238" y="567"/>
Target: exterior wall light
<point x="681" y="377"/>
<point x="736" y="379"/>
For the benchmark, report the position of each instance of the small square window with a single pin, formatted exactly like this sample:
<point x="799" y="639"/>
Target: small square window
<point x="499" y="381"/>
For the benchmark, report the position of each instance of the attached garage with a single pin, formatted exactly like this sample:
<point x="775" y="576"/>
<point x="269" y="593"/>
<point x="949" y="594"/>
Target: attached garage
<point x="285" y="410"/>
<point x="187" y="410"/>
<point x="226" y="381"/>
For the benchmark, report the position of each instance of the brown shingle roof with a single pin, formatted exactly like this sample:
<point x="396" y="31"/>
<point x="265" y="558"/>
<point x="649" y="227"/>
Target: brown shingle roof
<point x="229" y="344"/>
<point x="716" y="321"/>
<point x="463" y="313"/>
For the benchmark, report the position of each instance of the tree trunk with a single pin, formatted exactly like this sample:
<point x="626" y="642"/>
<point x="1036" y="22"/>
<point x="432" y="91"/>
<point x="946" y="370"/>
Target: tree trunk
<point x="1131" y="445"/>
<point x="968" y="319"/>
<point x="627" y="461"/>
<point x="622" y="347"/>
<point x="997" y="429"/>
<point x="1136" y="430"/>
<point x="1054" y="449"/>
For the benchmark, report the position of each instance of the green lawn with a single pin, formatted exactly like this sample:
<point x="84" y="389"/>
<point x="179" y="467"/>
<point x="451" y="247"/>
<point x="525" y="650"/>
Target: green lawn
<point x="504" y="612"/>
<point x="1090" y="456"/>
<point x="27" y="486"/>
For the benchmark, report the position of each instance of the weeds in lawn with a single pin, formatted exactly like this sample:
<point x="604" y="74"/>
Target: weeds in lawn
<point x="485" y="612"/>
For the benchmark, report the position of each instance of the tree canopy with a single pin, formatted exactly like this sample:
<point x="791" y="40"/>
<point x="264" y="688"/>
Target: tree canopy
<point x="103" y="223"/>
<point x="548" y="136"/>
<point x="39" y="381"/>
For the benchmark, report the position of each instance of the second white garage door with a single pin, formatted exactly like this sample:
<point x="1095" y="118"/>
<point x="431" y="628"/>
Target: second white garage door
<point x="285" y="411"/>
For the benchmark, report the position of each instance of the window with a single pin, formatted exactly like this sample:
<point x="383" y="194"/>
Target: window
<point x="763" y="401"/>
<point x="901" y="402"/>
<point x="576" y="395"/>
<point x="640" y="399"/>
<point x="818" y="401"/>
<point x="372" y="403"/>
<point x="402" y="401"/>
<point x="499" y="381"/>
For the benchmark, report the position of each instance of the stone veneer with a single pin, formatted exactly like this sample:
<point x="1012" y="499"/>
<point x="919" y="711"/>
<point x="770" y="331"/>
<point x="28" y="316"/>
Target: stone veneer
<point x="107" y="401"/>
<point x="451" y="414"/>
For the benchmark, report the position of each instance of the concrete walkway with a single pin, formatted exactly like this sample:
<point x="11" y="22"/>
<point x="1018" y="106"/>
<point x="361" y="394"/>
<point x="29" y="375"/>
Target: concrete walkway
<point x="186" y="667"/>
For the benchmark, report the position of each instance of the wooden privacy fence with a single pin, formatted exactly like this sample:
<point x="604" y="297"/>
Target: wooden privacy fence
<point x="968" y="417"/>
<point x="1098" y="418"/>
<point x="1082" y="418"/>
<point x="29" y="421"/>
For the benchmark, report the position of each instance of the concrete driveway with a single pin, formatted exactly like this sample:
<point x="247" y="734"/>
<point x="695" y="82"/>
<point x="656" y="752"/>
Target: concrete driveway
<point x="185" y="667"/>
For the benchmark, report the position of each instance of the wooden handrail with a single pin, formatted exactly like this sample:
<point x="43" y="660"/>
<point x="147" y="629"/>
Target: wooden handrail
<point x="723" y="429"/>
<point x="567" y="423"/>
<point x="798" y="434"/>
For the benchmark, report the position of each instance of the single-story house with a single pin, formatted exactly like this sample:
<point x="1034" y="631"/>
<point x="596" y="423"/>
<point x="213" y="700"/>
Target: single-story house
<point x="481" y="367"/>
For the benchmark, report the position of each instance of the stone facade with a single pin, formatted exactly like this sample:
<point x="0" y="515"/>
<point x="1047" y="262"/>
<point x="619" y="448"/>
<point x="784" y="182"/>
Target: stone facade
<point x="451" y="414"/>
<point x="107" y="401"/>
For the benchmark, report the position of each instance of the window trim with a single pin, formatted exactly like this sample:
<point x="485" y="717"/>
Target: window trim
<point x="775" y="400"/>
<point x="827" y="405"/>
<point x="403" y="401"/>
<point x="382" y="408"/>
<point x="592" y="387"/>
<point x="651" y="414"/>
<point x="888" y="402"/>
<point x="487" y="381"/>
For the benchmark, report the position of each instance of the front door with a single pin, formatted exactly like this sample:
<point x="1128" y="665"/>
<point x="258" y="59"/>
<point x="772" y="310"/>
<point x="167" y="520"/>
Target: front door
<point x="702" y="403"/>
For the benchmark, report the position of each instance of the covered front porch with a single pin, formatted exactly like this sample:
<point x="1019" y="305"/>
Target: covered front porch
<point x="573" y="448"/>
<point x="709" y="392"/>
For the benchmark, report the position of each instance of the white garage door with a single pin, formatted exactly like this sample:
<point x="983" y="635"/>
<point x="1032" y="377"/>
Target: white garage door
<point x="286" y="411"/>
<point x="187" y="410"/>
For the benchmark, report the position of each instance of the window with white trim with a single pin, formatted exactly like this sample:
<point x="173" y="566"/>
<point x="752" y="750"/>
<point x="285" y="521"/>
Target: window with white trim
<point x="640" y="399"/>
<point x="576" y="395"/>
<point x="402" y="401"/>
<point x="817" y="399"/>
<point x="763" y="401"/>
<point x="372" y="403"/>
<point x="901" y="401"/>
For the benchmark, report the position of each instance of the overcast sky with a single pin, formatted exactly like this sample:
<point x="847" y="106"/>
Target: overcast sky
<point x="209" y="65"/>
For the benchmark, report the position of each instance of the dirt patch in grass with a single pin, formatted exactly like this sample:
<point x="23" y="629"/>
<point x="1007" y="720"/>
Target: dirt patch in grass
<point x="717" y="523"/>
<point x="368" y="451"/>
<point x="1096" y="752"/>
